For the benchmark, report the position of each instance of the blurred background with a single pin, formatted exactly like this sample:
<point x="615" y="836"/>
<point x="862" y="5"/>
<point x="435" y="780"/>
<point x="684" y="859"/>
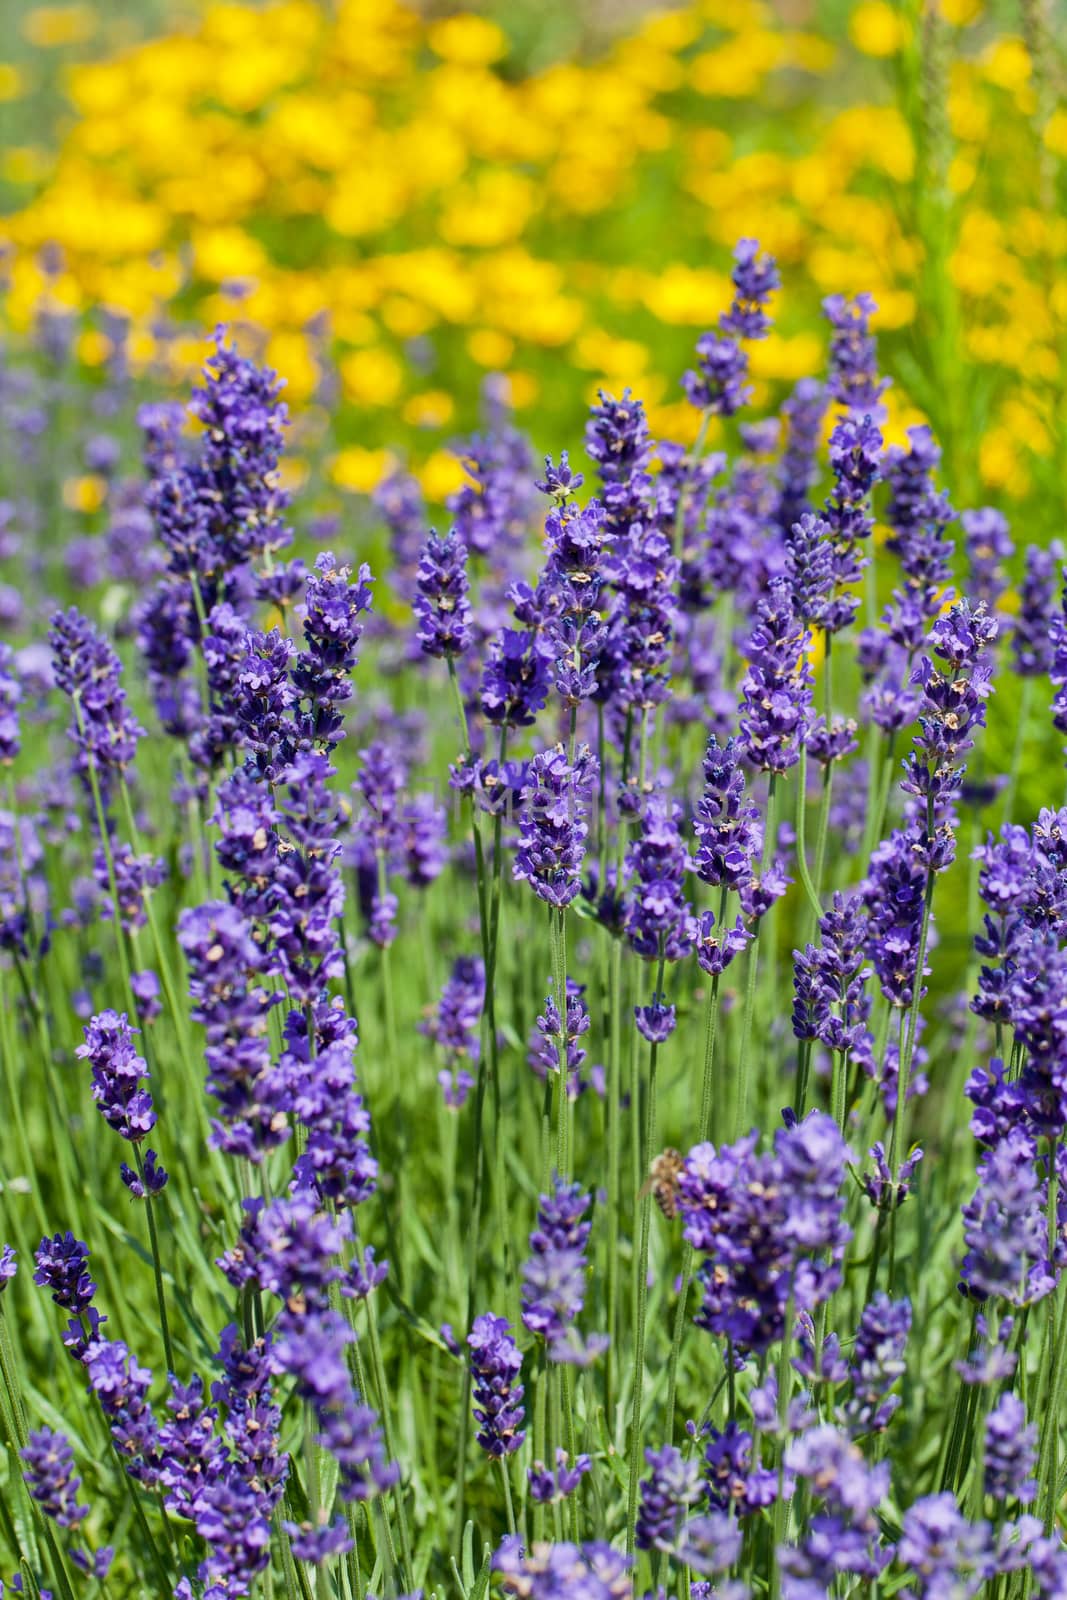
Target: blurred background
<point x="392" y="201"/>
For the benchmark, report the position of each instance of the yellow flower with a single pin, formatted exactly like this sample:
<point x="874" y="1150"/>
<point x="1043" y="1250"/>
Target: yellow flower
<point x="523" y="390"/>
<point x="360" y="470"/>
<point x="290" y="356"/>
<point x="737" y="68"/>
<point x="222" y="253"/>
<point x="52" y="27"/>
<point x="602" y="352"/>
<point x="493" y="209"/>
<point x="686" y="296"/>
<point x="93" y="347"/>
<point x="12" y="83"/>
<point x="471" y="40"/>
<point x="86" y="494"/>
<point x="961" y="12"/>
<point x="489" y="348"/>
<point x="1000" y="464"/>
<point x="787" y="358"/>
<point x="1007" y="64"/>
<point x="371" y="377"/>
<point x="877" y="28"/>
<point x="440" y="475"/>
<point x="430" y="410"/>
<point x="25" y="163"/>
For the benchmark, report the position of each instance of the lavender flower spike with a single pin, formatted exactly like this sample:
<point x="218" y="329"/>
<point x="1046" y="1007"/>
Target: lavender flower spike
<point x="495" y="1366"/>
<point x="553" y="824"/>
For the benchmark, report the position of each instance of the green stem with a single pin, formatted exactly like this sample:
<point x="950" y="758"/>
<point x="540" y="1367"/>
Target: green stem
<point x="801" y="848"/>
<point x="157" y="1265"/>
<point x="896" y="1142"/>
<point x="378" y="1369"/>
<point x="559" y="963"/>
<point x="753" y="966"/>
<point x="781" y="1504"/>
<point x="641" y="1295"/>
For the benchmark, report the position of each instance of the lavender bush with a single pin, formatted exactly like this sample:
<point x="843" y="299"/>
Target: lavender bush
<point x="540" y="1060"/>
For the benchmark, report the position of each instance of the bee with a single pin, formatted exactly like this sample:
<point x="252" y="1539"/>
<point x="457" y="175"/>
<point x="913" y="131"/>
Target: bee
<point x="662" y="1182"/>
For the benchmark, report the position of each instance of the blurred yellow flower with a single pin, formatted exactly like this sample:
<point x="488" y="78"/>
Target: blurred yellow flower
<point x="961" y="12"/>
<point x="1007" y="64"/>
<point x="373" y="186"/>
<point x="52" y="27"/>
<point x="433" y="409"/>
<point x="489" y="348"/>
<point x="877" y="28"/>
<point x="86" y="494"/>
<point x="358" y="469"/>
<point x="12" y="83"/>
<point x="440" y="476"/>
<point x="474" y="41"/>
<point x="372" y="377"/>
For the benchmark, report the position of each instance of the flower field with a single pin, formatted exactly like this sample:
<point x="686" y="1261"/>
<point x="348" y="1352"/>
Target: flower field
<point x="533" y="882"/>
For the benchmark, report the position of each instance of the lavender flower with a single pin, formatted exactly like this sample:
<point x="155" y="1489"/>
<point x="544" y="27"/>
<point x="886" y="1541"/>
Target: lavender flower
<point x="643" y="572"/>
<point x="553" y="1278"/>
<point x="771" y="1226"/>
<point x="988" y="545"/>
<point x="584" y="1572"/>
<point x="118" y="1072"/>
<point x="671" y="1487"/>
<point x="942" y="1551"/>
<point x="1031" y="639"/>
<point x="495" y="1367"/>
<point x="543" y="1053"/>
<point x="442" y="609"/>
<point x="1010" y="1451"/>
<point x="10" y="696"/>
<point x="515" y="679"/>
<point x="490" y="513"/>
<point x="810" y="569"/>
<point x="658" y="918"/>
<point x="952" y="707"/>
<point x="553" y="824"/>
<point x="718" y="384"/>
<point x="104" y="731"/>
<point x="894" y="894"/>
<point x="226" y="966"/>
<point x="49" y="1476"/>
<point x="831" y="1000"/>
<point x="728" y="829"/>
<point x="454" y="1026"/>
<point x="617" y="440"/>
<point x="776" y="692"/>
<point x="575" y="539"/>
<point x="877" y="1364"/>
<point x="855" y="448"/>
<point x="309" y="893"/>
<point x="854" y="380"/>
<point x="804" y="412"/>
<point x="244" y="423"/>
<point x="1005" y="1227"/>
<point x="733" y="1477"/>
<point x="63" y="1269"/>
<point x="400" y="501"/>
<point x="334" y="607"/>
<point x="843" y="1537"/>
<point x="121" y="1385"/>
<point x="548" y="1487"/>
